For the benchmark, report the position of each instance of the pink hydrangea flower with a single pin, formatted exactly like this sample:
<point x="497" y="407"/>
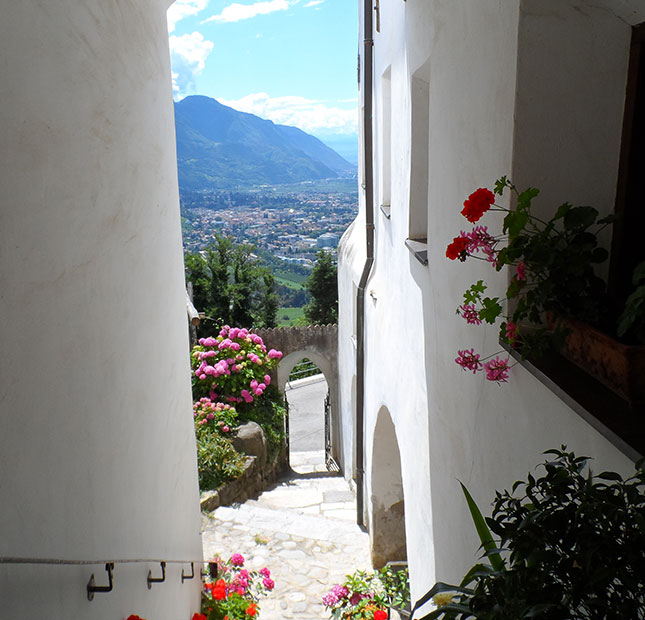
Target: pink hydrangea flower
<point x="469" y="360"/>
<point x="267" y="379"/>
<point x="275" y="355"/>
<point x="237" y="559"/>
<point x="497" y="370"/>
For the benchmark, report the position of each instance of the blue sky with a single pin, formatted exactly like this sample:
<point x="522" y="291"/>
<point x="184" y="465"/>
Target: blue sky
<point x="292" y="61"/>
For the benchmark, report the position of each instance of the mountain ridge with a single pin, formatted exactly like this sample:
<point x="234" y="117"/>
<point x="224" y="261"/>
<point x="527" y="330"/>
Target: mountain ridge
<point x="219" y="147"/>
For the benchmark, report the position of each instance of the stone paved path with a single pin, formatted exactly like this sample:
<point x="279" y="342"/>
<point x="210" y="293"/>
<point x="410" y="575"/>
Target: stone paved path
<point x="303" y="529"/>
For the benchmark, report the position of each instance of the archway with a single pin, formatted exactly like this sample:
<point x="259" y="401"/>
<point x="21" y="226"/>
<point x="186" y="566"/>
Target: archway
<point x="387" y="531"/>
<point x="306" y="398"/>
<point x="318" y="343"/>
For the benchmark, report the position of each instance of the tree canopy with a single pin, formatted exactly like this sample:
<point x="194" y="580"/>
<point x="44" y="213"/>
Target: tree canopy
<point x="322" y="284"/>
<point x="231" y="285"/>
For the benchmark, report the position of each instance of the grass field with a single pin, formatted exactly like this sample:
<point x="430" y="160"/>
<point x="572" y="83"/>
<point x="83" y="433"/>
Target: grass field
<point x="292" y="280"/>
<point x="292" y="315"/>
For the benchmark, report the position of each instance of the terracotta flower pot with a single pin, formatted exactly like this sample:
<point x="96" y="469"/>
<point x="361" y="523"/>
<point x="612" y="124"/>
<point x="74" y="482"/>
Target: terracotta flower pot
<point x="619" y="367"/>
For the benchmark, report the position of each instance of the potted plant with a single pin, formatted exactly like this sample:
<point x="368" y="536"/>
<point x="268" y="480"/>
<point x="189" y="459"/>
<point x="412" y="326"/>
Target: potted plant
<point x="552" y="262"/>
<point x="370" y="595"/>
<point x="569" y="547"/>
<point x="232" y="592"/>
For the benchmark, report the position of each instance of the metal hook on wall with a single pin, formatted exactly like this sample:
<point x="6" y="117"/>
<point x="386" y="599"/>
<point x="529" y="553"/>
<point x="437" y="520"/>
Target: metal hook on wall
<point x="184" y="577"/>
<point x="91" y="588"/>
<point x="161" y="579"/>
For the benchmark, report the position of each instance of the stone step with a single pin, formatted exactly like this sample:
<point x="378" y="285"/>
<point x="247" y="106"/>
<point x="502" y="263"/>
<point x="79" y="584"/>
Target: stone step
<point x="289" y="522"/>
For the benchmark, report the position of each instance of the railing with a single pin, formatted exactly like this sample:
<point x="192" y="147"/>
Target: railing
<point x="92" y="588"/>
<point x="305" y="368"/>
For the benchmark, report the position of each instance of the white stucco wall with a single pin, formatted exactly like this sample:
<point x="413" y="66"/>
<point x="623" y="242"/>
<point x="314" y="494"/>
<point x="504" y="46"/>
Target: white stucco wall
<point x="492" y="69"/>
<point x="97" y="454"/>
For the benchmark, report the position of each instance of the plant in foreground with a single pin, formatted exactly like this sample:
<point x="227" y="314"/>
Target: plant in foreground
<point x="367" y="596"/>
<point x="570" y="547"/>
<point x="553" y="264"/>
<point x="233" y="593"/>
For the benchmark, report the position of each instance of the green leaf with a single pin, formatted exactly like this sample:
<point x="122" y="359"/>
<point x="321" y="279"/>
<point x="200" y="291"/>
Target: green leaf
<point x="513" y="289"/>
<point x="482" y="530"/>
<point x="515" y="222"/>
<point x="491" y="309"/>
<point x="580" y="218"/>
<point x="562" y="211"/>
<point x="599" y="255"/>
<point x="473" y="294"/>
<point x="500" y="184"/>
<point x="524" y="199"/>
<point x="639" y="274"/>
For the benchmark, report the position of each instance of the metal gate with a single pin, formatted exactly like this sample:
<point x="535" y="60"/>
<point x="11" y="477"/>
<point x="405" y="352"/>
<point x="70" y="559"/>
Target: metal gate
<point x="330" y="463"/>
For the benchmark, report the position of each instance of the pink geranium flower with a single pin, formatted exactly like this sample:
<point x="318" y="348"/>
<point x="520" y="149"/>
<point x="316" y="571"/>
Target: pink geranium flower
<point x="469" y="360"/>
<point x="497" y="370"/>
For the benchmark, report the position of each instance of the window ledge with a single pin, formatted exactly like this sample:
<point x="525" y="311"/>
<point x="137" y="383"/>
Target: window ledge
<point x="419" y="248"/>
<point x="386" y="210"/>
<point x="610" y="415"/>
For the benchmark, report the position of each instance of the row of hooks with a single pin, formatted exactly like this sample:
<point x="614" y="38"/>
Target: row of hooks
<point x="109" y="567"/>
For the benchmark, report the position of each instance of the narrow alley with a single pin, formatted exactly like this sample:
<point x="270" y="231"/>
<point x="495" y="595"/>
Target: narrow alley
<point x="303" y="528"/>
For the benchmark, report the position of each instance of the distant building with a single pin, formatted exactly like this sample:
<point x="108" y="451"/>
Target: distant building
<point x="328" y="240"/>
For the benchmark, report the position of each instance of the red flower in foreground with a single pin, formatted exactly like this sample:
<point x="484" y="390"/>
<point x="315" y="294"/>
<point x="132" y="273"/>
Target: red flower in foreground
<point x="477" y="204"/>
<point x="380" y="614"/>
<point x="197" y="616"/>
<point x="135" y="617"/>
<point x="252" y="609"/>
<point x="457" y="248"/>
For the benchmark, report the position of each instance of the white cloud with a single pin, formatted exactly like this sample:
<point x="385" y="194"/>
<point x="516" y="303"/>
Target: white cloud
<point x="188" y="54"/>
<point x="183" y="8"/>
<point x="309" y="115"/>
<point x="236" y="12"/>
<point x="313" y="3"/>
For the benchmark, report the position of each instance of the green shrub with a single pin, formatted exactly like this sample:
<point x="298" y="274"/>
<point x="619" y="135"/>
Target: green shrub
<point x="269" y="413"/>
<point x="570" y="547"/>
<point x="217" y="460"/>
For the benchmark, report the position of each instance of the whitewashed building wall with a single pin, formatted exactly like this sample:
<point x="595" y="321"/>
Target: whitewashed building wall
<point x="97" y="447"/>
<point x="464" y="92"/>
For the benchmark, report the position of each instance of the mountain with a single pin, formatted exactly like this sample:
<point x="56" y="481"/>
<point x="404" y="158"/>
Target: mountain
<point x="219" y="148"/>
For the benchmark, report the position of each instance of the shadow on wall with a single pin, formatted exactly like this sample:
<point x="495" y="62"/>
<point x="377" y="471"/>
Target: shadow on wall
<point x="387" y="531"/>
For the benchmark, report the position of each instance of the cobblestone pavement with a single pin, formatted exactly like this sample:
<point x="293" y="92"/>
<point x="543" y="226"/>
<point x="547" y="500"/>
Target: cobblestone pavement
<point x="303" y="529"/>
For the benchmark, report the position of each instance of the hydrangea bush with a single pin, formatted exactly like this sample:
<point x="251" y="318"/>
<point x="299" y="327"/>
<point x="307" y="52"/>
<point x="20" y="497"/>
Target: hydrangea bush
<point x="210" y="416"/>
<point x="233" y="593"/>
<point x="233" y="367"/>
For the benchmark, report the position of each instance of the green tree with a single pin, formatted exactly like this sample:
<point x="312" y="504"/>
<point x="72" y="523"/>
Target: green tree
<point x="231" y="285"/>
<point x="269" y="306"/>
<point x="322" y="285"/>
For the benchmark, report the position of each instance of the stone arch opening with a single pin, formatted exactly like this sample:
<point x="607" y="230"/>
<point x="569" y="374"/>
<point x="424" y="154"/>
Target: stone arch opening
<point x="306" y="398"/>
<point x="318" y="343"/>
<point x="387" y="531"/>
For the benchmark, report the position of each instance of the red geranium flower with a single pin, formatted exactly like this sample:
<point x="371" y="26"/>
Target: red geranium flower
<point x="380" y="614"/>
<point x="252" y="609"/>
<point x="197" y="616"/>
<point x="477" y="204"/>
<point x="457" y="248"/>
